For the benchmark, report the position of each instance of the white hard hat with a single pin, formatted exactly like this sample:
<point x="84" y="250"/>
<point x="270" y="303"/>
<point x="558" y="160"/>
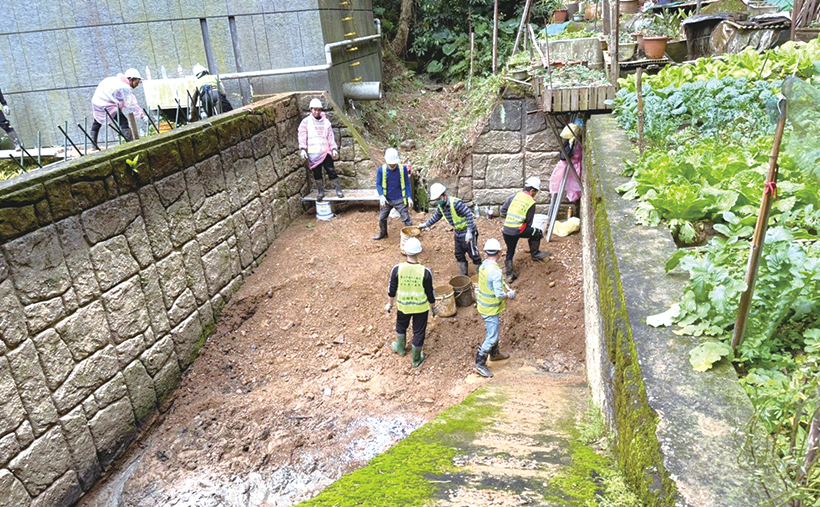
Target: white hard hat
<point x="199" y="70"/>
<point x="412" y="246"/>
<point x="492" y="246"/>
<point x="132" y="74"/>
<point x="316" y="104"/>
<point x="534" y="182"/>
<point x="391" y="156"/>
<point x="436" y="189"/>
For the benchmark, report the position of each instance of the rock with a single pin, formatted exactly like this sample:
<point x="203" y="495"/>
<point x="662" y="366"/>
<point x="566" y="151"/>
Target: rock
<point x="42" y="462"/>
<point x="328" y="391"/>
<point x="408" y="145"/>
<point x="14" y="494"/>
<point x="339" y="339"/>
<point x="37" y="265"/>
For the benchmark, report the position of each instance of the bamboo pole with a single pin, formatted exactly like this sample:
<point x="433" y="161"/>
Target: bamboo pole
<point x="760" y="229"/>
<point x="615" y="20"/>
<point x="472" y="48"/>
<point x="495" y="37"/>
<point x="638" y="77"/>
<point x="524" y="17"/>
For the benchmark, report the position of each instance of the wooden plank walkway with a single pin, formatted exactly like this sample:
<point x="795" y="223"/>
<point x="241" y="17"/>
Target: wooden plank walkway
<point x="351" y="194"/>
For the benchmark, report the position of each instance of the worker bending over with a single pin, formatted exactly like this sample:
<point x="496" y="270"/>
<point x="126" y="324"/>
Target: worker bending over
<point x="113" y="100"/>
<point x="519" y="211"/>
<point x="393" y="186"/>
<point x="4" y="122"/>
<point x="490" y="303"/>
<point x="459" y="216"/>
<point x="411" y="289"/>
<point x="209" y="93"/>
<point x="317" y="145"/>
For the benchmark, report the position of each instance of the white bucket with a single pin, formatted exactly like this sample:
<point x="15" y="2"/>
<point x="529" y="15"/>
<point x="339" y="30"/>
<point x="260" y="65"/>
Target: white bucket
<point x="540" y="221"/>
<point x="323" y="210"/>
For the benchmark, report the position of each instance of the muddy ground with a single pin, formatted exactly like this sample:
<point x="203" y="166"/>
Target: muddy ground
<point x="298" y="385"/>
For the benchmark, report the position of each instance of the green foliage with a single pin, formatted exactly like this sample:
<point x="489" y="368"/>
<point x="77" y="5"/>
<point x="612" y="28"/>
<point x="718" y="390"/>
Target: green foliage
<point x="573" y="75"/>
<point x="788" y="59"/>
<point x="133" y="164"/>
<point x="445" y="153"/>
<point x="706" y="354"/>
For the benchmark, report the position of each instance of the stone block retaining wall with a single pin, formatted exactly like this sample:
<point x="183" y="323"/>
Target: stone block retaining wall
<point x="516" y="143"/>
<point x="113" y="269"/>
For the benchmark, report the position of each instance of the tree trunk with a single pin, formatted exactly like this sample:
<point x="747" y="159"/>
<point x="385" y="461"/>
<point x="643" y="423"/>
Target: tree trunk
<point x="399" y="44"/>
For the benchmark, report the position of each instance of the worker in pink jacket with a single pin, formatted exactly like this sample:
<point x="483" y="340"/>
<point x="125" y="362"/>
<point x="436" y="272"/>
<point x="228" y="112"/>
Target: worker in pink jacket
<point x="317" y="145"/>
<point x="113" y="100"/>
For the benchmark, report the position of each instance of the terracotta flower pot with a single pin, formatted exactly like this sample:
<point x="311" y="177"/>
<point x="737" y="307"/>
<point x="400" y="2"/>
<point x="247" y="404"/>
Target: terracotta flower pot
<point x="654" y="46"/>
<point x="639" y="40"/>
<point x="559" y="15"/>
<point x="628" y="6"/>
<point x="590" y="11"/>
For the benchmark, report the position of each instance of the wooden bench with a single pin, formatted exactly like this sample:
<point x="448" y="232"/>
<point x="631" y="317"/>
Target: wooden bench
<point x="351" y="194"/>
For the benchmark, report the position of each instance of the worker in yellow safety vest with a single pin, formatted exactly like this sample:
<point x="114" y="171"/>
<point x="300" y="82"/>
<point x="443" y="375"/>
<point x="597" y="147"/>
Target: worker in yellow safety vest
<point x="459" y="216"/>
<point x="518" y="213"/>
<point x="209" y="97"/>
<point x="411" y="290"/>
<point x="393" y="186"/>
<point x="490" y="300"/>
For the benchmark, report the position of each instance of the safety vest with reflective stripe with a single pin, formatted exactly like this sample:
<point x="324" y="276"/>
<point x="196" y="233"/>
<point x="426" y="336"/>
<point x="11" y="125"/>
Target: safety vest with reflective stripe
<point x="487" y="303"/>
<point x="459" y="223"/>
<point x="400" y="169"/>
<point x="207" y="80"/>
<point x="517" y="212"/>
<point x="410" y="296"/>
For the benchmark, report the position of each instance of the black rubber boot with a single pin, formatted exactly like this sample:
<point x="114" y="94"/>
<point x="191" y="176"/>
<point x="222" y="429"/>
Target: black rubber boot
<point x="511" y="274"/>
<point x="537" y="256"/>
<point x="338" y="184"/>
<point x="481" y="364"/>
<point x="418" y="357"/>
<point x="399" y="346"/>
<point x="497" y="355"/>
<point x="382" y="230"/>
<point x="536" y="253"/>
<point x="320" y="189"/>
<point x="462" y="268"/>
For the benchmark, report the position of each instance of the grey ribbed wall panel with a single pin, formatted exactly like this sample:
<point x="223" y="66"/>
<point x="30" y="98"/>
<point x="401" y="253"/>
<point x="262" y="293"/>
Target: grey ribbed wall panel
<point x="53" y="53"/>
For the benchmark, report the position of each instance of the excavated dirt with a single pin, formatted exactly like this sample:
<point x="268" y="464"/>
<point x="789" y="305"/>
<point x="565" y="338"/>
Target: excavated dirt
<point x="297" y="385"/>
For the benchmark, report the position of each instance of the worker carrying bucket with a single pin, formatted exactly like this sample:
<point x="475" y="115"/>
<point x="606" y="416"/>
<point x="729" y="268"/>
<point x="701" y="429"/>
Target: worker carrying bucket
<point x="490" y="302"/>
<point x="209" y="97"/>
<point x="411" y="289"/>
<point x="459" y="216"/>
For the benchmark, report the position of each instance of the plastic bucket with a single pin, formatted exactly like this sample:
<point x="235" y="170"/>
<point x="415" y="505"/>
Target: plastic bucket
<point x="323" y="210"/>
<point x="407" y="233"/>
<point x="539" y="221"/>
<point x="445" y="302"/>
<point x="463" y="289"/>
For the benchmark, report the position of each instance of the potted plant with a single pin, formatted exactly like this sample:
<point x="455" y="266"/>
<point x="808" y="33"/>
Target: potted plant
<point x="657" y="34"/>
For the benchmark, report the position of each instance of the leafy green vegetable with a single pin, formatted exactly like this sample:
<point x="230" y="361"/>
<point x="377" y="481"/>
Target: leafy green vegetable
<point x="706" y="354"/>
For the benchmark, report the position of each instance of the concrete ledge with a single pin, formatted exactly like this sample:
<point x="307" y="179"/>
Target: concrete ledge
<point x="680" y="432"/>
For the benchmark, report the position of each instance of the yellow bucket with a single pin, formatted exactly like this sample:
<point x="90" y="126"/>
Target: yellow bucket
<point x="407" y="233"/>
<point x="445" y="301"/>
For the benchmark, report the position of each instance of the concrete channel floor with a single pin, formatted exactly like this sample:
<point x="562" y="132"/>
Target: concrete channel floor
<point x="512" y="442"/>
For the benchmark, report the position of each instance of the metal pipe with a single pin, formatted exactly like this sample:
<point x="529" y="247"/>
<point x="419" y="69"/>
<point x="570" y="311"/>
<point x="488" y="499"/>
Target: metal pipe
<point x="312" y="68"/>
<point x="363" y="90"/>
<point x="68" y="138"/>
<point x="22" y="167"/>
<point x="65" y="142"/>
<point x="85" y="144"/>
<point x="116" y="127"/>
<point x="106" y="132"/>
<point x="87" y="137"/>
<point x="39" y="148"/>
<point x="151" y="120"/>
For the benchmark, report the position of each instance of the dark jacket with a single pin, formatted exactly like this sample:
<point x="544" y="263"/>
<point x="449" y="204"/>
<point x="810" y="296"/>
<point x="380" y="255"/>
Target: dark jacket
<point x="2" y="99"/>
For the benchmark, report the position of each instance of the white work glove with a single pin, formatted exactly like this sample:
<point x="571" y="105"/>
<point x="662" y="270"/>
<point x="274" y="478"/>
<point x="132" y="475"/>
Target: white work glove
<point x="6" y="110"/>
<point x="423" y="226"/>
<point x="409" y="203"/>
<point x="469" y="236"/>
<point x="511" y="295"/>
<point x="303" y="154"/>
<point x="388" y="307"/>
<point x="382" y="201"/>
<point x="435" y="311"/>
<point x="334" y="154"/>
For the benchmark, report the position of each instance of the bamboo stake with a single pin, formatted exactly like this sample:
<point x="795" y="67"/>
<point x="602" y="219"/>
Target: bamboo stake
<point x="760" y="229"/>
<point x="615" y="20"/>
<point x="472" y="48"/>
<point x="538" y="47"/>
<point x="524" y="17"/>
<point x="495" y="37"/>
<point x="638" y="77"/>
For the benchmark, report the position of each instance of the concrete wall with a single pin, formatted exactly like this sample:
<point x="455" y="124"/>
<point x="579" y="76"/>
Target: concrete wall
<point x="681" y="435"/>
<point x="54" y="53"/>
<point x="112" y="274"/>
